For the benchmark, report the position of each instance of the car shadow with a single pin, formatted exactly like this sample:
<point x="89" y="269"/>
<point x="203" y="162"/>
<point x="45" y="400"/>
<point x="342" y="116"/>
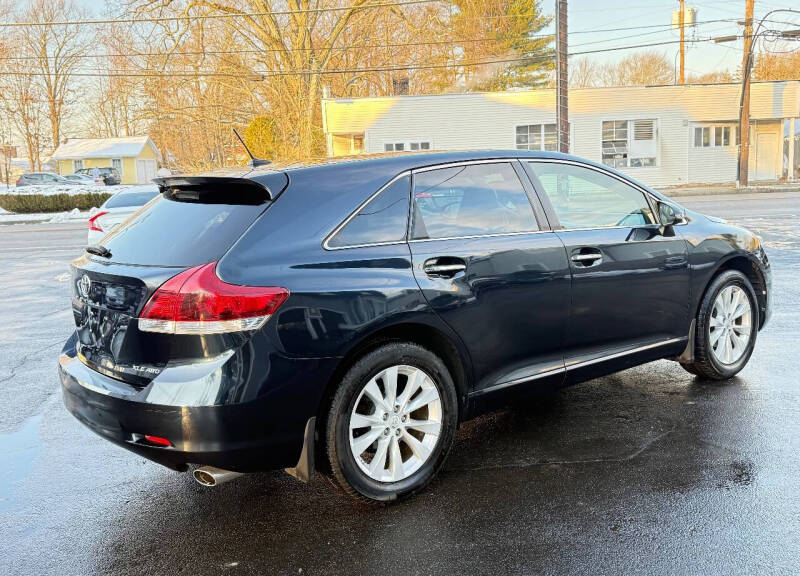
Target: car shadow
<point x="517" y="479"/>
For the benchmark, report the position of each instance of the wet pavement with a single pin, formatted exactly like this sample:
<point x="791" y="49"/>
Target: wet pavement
<point x="645" y="471"/>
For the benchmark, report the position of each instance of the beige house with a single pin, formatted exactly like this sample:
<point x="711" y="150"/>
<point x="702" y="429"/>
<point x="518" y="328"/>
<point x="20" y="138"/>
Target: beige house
<point x="135" y="157"/>
<point x="661" y="135"/>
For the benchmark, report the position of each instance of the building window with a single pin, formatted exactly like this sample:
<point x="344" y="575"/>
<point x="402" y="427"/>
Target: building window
<point x="77" y="165"/>
<point x="537" y="137"/>
<point x="630" y="143"/>
<point x="117" y="163"/>
<point x="716" y="135"/>
<point x="722" y="136"/>
<point x="347" y="144"/>
<point x="702" y="136"/>
<point x="402" y="146"/>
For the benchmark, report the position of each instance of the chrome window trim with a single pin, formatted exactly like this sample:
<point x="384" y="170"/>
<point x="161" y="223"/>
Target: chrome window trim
<point x="472" y="236"/>
<point x="353" y="214"/>
<point x="502" y="160"/>
<point x="649" y="196"/>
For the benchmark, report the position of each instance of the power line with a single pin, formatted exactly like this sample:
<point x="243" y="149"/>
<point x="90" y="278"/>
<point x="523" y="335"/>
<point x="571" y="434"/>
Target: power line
<point x="222" y="15"/>
<point x="264" y="75"/>
<point x="666" y="28"/>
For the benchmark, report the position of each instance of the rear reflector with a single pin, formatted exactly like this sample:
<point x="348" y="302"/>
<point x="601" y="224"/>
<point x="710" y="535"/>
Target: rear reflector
<point x="196" y="301"/>
<point x="157" y="440"/>
<point x="93" y="225"/>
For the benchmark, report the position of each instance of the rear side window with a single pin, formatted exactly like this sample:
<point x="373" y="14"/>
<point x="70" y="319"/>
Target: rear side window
<point x="471" y="200"/>
<point x="171" y="233"/>
<point x="128" y="199"/>
<point x="383" y="219"/>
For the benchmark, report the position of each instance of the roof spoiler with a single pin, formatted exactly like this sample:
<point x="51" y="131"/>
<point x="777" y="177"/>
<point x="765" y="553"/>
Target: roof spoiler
<point x="214" y="190"/>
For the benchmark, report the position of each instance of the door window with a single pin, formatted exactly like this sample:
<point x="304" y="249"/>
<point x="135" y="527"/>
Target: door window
<point x="383" y="219"/>
<point x="470" y="200"/>
<point x="586" y="198"/>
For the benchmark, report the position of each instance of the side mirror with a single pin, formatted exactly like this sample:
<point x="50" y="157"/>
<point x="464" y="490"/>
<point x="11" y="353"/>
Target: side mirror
<point x="668" y="215"/>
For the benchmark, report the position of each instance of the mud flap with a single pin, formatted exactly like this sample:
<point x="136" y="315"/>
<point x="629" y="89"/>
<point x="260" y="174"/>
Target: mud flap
<point x="687" y="356"/>
<point x="305" y="466"/>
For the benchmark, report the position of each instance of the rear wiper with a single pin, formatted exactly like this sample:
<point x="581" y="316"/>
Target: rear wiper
<point x="99" y="250"/>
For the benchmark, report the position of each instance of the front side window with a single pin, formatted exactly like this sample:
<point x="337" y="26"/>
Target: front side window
<point x="470" y="200"/>
<point x="383" y="219"/>
<point x="587" y="198"/>
<point x="630" y="143"/>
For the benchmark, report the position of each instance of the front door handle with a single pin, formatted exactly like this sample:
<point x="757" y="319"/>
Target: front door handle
<point x="444" y="266"/>
<point x="587" y="257"/>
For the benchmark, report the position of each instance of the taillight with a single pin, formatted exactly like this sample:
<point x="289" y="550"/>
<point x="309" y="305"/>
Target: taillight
<point x="196" y="301"/>
<point x="93" y="224"/>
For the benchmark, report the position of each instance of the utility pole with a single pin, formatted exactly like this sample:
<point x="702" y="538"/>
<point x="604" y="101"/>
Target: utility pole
<point x="562" y="80"/>
<point x="681" y="23"/>
<point x="744" y="102"/>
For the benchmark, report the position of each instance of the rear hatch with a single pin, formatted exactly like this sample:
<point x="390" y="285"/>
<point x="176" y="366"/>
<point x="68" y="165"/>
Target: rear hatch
<point x="194" y="222"/>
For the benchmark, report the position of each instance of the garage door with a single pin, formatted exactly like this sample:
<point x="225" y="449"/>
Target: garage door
<point x="145" y="171"/>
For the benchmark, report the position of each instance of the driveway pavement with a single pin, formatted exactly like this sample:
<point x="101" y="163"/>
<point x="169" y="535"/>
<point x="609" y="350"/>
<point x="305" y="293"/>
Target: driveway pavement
<point x="648" y="471"/>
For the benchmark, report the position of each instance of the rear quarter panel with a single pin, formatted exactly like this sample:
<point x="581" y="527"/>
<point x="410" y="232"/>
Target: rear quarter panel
<point x="337" y="297"/>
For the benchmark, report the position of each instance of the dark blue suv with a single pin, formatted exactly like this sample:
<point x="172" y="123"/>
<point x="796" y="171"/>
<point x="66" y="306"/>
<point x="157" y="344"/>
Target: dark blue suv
<point x="347" y="316"/>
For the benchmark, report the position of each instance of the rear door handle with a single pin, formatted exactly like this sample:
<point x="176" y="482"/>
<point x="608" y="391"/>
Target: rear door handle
<point x="587" y="257"/>
<point x="444" y="266"/>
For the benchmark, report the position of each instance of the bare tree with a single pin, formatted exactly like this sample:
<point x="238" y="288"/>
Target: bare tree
<point x="717" y="77"/>
<point x="783" y="64"/>
<point x="56" y="51"/>
<point x="647" y="68"/>
<point x="583" y="73"/>
<point x="21" y="100"/>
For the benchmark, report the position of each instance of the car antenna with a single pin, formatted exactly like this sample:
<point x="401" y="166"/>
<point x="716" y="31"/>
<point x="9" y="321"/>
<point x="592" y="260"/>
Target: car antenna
<point x="253" y="160"/>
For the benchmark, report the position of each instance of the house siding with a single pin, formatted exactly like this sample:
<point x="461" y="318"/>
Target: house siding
<point x="489" y="120"/>
<point x="128" y="175"/>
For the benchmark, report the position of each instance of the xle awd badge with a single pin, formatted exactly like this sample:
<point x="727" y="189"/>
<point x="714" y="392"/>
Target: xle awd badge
<point x="84" y="286"/>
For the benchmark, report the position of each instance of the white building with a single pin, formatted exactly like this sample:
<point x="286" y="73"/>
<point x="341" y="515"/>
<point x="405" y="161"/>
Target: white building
<point x="661" y="135"/>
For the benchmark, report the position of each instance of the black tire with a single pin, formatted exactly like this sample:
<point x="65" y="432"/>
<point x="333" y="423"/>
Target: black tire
<point x="705" y="363"/>
<point x="344" y="468"/>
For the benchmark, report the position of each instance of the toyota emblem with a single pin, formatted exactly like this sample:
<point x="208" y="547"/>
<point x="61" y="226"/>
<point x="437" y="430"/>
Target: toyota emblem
<point x="84" y="286"/>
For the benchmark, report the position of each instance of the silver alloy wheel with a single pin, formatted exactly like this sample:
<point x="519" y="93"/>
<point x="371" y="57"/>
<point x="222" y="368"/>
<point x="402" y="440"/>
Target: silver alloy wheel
<point x="395" y="423"/>
<point x="730" y="325"/>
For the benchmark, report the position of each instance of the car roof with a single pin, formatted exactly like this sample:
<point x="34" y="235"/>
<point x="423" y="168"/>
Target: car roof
<point x="394" y="163"/>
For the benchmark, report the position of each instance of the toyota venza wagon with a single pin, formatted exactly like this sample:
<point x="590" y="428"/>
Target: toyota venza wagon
<point x="346" y="316"/>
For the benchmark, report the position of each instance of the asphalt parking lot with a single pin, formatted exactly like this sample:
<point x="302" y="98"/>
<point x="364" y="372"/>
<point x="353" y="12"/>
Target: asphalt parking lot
<point x="648" y="471"/>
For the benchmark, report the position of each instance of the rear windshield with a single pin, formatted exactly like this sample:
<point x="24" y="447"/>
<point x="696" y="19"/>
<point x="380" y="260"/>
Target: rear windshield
<point x="128" y="199"/>
<point x="170" y="233"/>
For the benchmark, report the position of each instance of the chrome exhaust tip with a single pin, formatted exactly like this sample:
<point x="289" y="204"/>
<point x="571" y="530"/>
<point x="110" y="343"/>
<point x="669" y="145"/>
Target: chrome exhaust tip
<point x="211" y="476"/>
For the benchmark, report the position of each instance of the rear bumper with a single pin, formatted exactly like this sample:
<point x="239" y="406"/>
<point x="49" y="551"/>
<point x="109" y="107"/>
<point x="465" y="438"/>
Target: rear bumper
<point x="261" y="434"/>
